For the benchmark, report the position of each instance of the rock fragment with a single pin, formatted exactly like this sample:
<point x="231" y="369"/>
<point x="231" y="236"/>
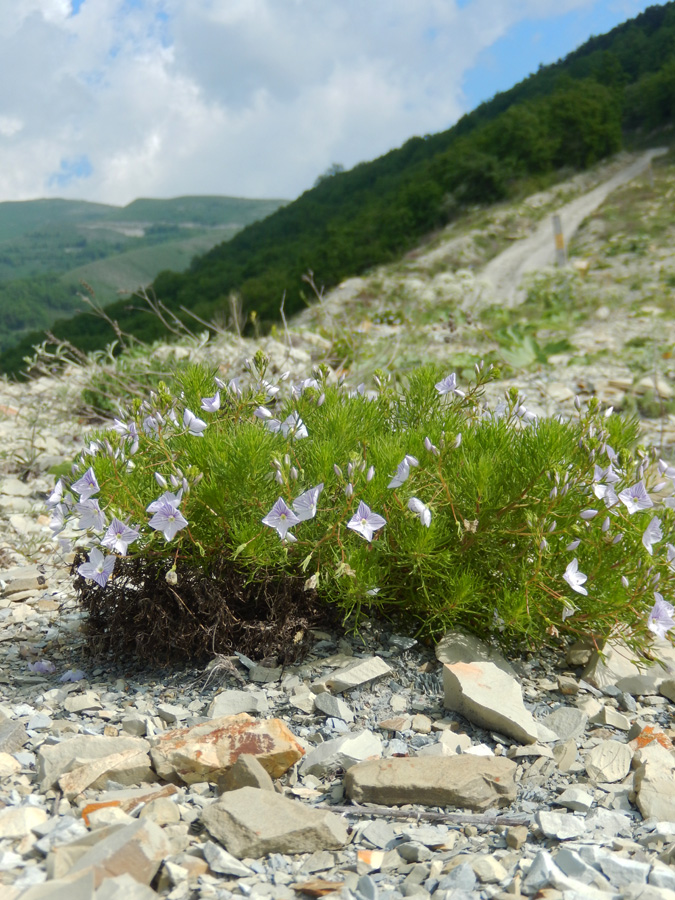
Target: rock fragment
<point x="205" y="752"/>
<point x="246" y="772"/>
<point x="55" y="760"/>
<point x="342" y="752"/>
<point x="357" y="673"/>
<point x="608" y="761"/>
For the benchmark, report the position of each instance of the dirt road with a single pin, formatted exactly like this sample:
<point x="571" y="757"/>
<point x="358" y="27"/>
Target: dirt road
<point x="537" y="251"/>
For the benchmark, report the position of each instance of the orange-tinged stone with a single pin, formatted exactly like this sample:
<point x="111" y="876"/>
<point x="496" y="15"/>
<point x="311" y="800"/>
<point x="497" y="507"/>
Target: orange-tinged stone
<point x="205" y="752"/>
<point x="648" y="735"/>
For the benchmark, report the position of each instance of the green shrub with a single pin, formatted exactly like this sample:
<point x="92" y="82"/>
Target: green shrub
<point x="416" y="502"/>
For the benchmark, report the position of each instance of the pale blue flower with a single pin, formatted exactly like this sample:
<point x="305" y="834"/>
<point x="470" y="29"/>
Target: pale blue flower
<point x="193" y="424"/>
<point x="119" y="536"/>
<point x="281" y="517"/>
<point x="167" y="497"/>
<point x="97" y="568"/>
<point x="431" y="448"/>
<point x="211" y="404"/>
<point x="365" y="522"/>
<point x="304" y="506"/>
<point x="42" y="667"/>
<point x="87" y="485"/>
<point x="294" y="426"/>
<point x="666" y="469"/>
<point x="420" y="510"/>
<point x="660" y="618"/>
<point x="91" y="515"/>
<point x="299" y="389"/>
<point x="168" y="519"/>
<point x="575" y="578"/>
<point x="56" y="495"/>
<point x="72" y="675"/>
<point x="652" y="534"/>
<point x="635" y="497"/>
<point x="606" y="493"/>
<point x="447" y="385"/>
<point x="403" y="471"/>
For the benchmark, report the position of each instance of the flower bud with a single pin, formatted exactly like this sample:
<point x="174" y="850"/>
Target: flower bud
<point x="279" y="478"/>
<point x="161" y="480"/>
<point x="186" y="486"/>
<point x="287" y="460"/>
<point x="543" y="545"/>
<point x="587" y="514"/>
<point x="350" y="469"/>
<point x="458" y="441"/>
<point x="617" y="539"/>
<point x="370" y="473"/>
<point x="624" y="581"/>
<point x="174" y="481"/>
<point x="293" y="473"/>
<point x="321" y="400"/>
<point x="577" y="402"/>
<point x="605" y="524"/>
<point x="552" y="527"/>
<point x="337" y="470"/>
<point x="171" y="577"/>
<point x="553" y="493"/>
<point x="349" y="490"/>
<point x="573" y="545"/>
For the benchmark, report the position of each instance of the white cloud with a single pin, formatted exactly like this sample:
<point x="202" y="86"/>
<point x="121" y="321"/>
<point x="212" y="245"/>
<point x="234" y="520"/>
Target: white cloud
<point x="131" y="98"/>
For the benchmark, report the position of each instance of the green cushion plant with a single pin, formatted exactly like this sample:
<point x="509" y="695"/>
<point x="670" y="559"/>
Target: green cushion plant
<point x="222" y="511"/>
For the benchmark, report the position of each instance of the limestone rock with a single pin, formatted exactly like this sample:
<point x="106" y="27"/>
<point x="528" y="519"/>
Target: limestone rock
<point x="54" y="760"/>
<point x="129" y="800"/>
<point x="576" y="799"/>
<point x="455" y="646"/>
<point x="13" y="736"/>
<point x="8" y="765"/>
<point x="17" y="821"/>
<point x="136" y="849"/>
<point x="246" y="772"/>
<point x="617" y="663"/>
<point x="488" y="697"/>
<point x="608" y="761"/>
<point x="222" y="862"/>
<point x="654" y="785"/>
<point x="252" y="823"/>
<point x="465" y="782"/>
<point x="231" y="703"/>
<point x="124" y="887"/>
<point x="357" y="673"/>
<point x="205" y="752"/>
<point x="342" y="752"/>
<point x="80" y="887"/>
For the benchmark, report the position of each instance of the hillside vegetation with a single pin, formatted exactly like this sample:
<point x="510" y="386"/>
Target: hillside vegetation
<point x="614" y="90"/>
<point x="48" y="248"/>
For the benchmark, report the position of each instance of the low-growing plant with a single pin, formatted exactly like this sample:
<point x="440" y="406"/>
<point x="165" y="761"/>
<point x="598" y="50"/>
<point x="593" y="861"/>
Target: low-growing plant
<point x="214" y="517"/>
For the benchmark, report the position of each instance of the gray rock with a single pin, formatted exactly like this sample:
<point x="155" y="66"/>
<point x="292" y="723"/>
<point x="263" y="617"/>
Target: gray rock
<point x="222" y="862"/>
<point x="462" y="878"/>
<point x="246" y="772"/>
<point x="341" y="753"/>
<point x="79" y="888"/>
<point x="561" y="826"/>
<point x="124" y="887"/>
<point x="623" y="871"/>
<point x="333" y="706"/>
<point x="13" y="736"/>
<point x="487" y="696"/>
<point x="249" y="822"/>
<point x="572" y="864"/>
<point x="379" y="833"/>
<point x="466" y="782"/>
<point x="576" y="799"/>
<point x="568" y="722"/>
<point x="357" y="673"/>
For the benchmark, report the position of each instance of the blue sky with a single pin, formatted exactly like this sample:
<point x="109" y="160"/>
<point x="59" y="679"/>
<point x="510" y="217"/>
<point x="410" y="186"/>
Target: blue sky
<point x="530" y="43"/>
<point x="109" y="100"/>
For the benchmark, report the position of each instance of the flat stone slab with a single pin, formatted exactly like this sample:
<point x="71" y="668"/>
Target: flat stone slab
<point x="489" y="697"/>
<point x="455" y="646"/>
<point x="253" y="823"/>
<point x="357" y="673"/>
<point x="463" y="782"/>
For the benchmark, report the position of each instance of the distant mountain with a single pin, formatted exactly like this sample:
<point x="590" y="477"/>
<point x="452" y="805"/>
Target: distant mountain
<point x="617" y="89"/>
<point x="48" y="248"/>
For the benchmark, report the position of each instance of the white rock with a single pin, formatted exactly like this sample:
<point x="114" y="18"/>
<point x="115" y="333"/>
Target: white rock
<point x="561" y="826"/>
<point x="333" y="706"/>
<point x="224" y="863"/>
<point x="608" y="762"/>
<point x="576" y="799"/>
<point x="18" y="821"/>
<point x="231" y="703"/>
<point x="455" y="646"/>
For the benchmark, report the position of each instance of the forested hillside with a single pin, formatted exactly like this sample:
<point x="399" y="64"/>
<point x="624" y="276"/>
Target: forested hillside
<point x="617" y="88"/>
<point x="49" y="248"/>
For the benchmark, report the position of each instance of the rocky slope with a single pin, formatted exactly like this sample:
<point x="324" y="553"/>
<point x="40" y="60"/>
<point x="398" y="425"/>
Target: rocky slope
<point x="353" y="772"/>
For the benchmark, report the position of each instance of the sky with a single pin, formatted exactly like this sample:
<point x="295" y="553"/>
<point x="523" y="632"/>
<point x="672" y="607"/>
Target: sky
<point x="110" y="100"/>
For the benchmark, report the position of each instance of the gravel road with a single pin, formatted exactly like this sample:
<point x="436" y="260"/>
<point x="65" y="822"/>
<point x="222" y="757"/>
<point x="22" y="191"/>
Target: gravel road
<point x="505" y="271"/>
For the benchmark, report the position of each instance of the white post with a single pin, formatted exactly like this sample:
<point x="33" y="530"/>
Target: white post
<point x="560" y="249"/>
